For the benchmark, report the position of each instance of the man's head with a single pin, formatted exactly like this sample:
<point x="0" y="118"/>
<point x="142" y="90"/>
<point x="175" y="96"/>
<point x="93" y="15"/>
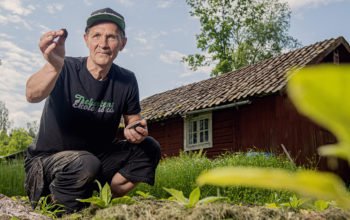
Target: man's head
<point x="106" y="15"/>
<point x="104" y="36"/>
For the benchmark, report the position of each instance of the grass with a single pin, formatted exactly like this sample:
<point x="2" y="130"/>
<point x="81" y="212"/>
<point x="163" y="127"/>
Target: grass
<point x="181" y="172"/>
<point x="178" y="173"/>
<point x="12" y="177"/>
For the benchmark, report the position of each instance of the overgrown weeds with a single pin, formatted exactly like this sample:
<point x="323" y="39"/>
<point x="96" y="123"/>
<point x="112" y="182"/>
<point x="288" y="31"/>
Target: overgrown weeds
<point x="180" y="173"/>
<point x="12" y="177"/>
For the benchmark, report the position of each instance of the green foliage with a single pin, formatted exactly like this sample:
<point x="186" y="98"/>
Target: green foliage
<point x="104" y="198"/>
<point x="295" y="203"/>
<point x="12" y="177"/>
<point x="188" y="166"/>
<point x="236" y="33"/>
<point x="321" y="205"/>
<point x="18" y="140"/>
<point x="305" y="88"/>
<point x="47" y="207"/>
<point x="144" y="195"/>
<point x="309" y="183"/>
<point x="193" y="199"/>
<point x="331" y="82"/>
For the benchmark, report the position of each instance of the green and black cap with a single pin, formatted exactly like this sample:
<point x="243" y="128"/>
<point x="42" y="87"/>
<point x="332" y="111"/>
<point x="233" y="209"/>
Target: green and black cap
<point x="106" y="14"/>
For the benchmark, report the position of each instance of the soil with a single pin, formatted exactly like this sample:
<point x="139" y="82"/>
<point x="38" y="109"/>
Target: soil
<point x="17" y="209"/>
<point x="160" y="209"/>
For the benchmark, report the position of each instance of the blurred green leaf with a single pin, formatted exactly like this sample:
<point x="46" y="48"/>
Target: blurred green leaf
<point x="321" y="185"/>
<point x="321" y="205"/>
<point x="321" y="92"/>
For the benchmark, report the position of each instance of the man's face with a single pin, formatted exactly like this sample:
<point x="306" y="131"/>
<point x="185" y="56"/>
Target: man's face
<point x="104" y="42"/>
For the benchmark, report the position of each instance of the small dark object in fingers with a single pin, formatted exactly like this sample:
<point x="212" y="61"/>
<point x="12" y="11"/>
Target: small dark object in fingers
<point x="137" y="124"/>
<point x="65" y="33"/>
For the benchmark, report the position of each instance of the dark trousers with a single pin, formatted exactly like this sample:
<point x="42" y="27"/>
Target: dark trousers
<point x="70" y="175"/>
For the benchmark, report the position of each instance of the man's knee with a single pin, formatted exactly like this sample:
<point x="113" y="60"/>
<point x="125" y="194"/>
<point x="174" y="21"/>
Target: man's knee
<point x="90" y="167"/>
<point x="79" y="166"/>
<point x="73" y="178"/>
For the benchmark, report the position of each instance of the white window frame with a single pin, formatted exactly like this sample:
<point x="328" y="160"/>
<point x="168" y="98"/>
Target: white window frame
<point x="196" y="117"/>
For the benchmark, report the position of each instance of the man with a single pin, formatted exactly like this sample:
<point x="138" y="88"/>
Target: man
<point x="85" y="99"/>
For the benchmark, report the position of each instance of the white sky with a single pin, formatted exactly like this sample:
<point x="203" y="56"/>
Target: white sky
<point x="159" y="33"/>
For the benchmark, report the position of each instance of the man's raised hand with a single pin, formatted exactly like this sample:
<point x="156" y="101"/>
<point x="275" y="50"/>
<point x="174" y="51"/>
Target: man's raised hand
<point x="52" y="47"/>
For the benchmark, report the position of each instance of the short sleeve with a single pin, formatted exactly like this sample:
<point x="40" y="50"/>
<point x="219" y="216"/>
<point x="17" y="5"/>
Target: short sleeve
<point x="132" y="106"/>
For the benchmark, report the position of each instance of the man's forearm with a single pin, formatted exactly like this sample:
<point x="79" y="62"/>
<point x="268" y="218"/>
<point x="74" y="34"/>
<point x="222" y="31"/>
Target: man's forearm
<point x="41" y="83"/>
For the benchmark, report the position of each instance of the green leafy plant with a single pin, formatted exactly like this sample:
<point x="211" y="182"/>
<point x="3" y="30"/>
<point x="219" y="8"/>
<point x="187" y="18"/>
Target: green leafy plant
<point x="46" y="206"/>
<point x="144" y="195"/>
<point x="305" y="88"/>
<point x="295" y="203"/>
<point x="193" y="199"/>
<point x="104" y="198"/>
<point x="321" y="205"/>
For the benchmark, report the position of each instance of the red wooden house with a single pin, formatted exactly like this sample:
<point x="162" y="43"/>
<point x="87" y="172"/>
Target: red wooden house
<point x="244" y="109"/>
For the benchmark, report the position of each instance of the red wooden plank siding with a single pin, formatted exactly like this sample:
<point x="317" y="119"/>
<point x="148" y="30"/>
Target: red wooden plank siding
<point x="170" y="135"/>
<point x="263" y="125"/>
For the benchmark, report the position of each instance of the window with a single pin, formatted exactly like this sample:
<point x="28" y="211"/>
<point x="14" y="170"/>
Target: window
<point x="198" y="132"/>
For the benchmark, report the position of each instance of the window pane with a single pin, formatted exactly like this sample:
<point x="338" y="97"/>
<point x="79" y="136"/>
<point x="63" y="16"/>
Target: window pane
<point x="206" y="124"/>
<point x="201" y="126"/>
<point x="194" y="138"/>
<point x="201" y="137"/>
<point x="190" y="138"/>
<point x="194" y="124"/>
<point x="206" y="136"/>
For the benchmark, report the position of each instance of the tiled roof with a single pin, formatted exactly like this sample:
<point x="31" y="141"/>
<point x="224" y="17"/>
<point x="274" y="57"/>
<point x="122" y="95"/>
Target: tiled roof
<point x="263" y="78"/>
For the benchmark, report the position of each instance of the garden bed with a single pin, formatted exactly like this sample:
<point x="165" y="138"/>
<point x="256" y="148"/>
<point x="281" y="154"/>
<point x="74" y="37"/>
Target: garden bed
<point x="153" y="210"/>
<point x="149" y="209"/>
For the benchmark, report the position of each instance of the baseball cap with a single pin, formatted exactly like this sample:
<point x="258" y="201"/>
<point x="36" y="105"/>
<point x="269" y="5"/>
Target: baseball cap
<point x="106" y="14"/>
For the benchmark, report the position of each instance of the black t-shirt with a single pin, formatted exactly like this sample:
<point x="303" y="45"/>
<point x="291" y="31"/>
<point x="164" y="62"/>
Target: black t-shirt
<point x="83" y="113"/>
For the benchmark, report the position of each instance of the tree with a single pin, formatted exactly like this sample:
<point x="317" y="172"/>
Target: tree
<point x="19" y="140"/>
<point x="4" y="120"/>
<point x="236" y="33"/>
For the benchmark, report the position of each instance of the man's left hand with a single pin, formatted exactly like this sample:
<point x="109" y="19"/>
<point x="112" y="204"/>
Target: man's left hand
<point x="136" y="134"/>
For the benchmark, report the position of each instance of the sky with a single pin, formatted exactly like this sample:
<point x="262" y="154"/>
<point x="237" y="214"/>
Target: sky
<point x="160" y="33"/>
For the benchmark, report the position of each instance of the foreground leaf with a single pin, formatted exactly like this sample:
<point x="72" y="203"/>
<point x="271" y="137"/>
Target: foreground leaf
<point x="95" y="201"/>
<point x="177" y="195"/>
<point x="106" y="194"/>
<point x="308" y="183"/>
<point x="194" y="198"/>
<point x="321" y="205"/>
<point x="321" y="93"/>
<point x="144" y="195"/>
<point x="211" y="199"/>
